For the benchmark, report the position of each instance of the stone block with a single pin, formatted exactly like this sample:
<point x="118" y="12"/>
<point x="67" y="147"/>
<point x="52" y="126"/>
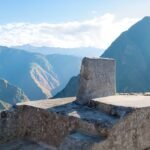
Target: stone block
<point x="97" y="79"/>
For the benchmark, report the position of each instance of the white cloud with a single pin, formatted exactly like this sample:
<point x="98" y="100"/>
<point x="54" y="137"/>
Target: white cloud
<point x="97" y="32"/>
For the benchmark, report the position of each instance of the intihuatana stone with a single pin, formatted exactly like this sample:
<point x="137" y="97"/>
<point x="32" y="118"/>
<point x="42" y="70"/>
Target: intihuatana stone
<point x="97" y="79"/>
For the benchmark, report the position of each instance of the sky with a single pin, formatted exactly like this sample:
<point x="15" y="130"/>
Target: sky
<point x="68" y="23"/>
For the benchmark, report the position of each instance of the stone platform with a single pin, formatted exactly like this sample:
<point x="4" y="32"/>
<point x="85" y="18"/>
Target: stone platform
<point x="119" y="122"/>
<point x="134" y="101"/>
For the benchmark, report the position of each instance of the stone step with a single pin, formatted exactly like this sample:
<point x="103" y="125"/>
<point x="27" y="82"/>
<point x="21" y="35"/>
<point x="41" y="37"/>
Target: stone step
<point x="112" y="110"/>
<point x="87" y="128"/>
<point x="80" y="141"/>
<point x="95" y="127"/>
<point x="92" y="121"/>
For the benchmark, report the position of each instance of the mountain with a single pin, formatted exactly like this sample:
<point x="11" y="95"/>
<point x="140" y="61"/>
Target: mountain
<point x="131" y="50"/>
<point x="132" y="53"/>
<point x="10" y="94"/>
<point x="66" y="67"/>
<point x="71" y="88"/>
<point x="39" y="76"/>
<point x="79" y="52"/>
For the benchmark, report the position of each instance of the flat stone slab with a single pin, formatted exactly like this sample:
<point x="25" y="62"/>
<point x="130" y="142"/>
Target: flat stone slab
<point x="49" y="103"/>
<point x="134" y="101"/>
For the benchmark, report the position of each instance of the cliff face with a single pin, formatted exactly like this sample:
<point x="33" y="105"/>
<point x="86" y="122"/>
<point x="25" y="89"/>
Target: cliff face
<point x="131" y="50"/>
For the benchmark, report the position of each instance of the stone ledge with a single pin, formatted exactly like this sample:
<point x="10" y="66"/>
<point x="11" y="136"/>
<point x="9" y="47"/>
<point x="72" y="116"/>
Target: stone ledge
<point x="133" y="101"/>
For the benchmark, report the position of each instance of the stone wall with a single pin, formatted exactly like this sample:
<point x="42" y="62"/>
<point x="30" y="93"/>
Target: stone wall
<point x="37" y="124"/>
<point x="131" y="133"/>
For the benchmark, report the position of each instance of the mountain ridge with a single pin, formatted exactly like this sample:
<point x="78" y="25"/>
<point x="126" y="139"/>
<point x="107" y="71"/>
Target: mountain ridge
<point x="37" y="74"/>
<point x="78" y="52"/>
<point x="72" y="87"/>
<point x="11" y="94"/>
<point x="132" y="52"/>
<point x="132" y="74"/>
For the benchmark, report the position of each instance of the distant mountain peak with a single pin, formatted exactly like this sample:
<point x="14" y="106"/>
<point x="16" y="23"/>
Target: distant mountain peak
<point x="79" y="52"/>
<point x="132" y="53"/>
<point x="146" y="18"/>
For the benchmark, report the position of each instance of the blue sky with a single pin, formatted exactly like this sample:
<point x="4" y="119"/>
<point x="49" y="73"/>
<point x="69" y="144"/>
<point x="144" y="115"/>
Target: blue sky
<point x="53" y="11"/>
<point x="68" y="23"/>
